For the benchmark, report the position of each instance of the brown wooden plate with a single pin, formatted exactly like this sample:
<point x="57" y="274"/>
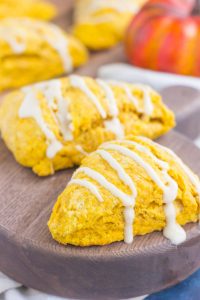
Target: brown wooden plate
<point x="29" y="254"/>
<point x="185" y="102"/>
<point x="117" y="271"/>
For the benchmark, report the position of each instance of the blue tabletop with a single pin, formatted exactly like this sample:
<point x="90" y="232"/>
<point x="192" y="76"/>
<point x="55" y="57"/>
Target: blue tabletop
<point x="188" y="289"/>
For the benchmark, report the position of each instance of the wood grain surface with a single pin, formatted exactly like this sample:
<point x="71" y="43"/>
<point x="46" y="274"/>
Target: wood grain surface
<point x="118" y="271"/>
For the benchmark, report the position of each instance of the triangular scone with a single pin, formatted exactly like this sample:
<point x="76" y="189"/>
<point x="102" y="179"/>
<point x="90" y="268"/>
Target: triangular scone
<point x="53" y="125"/>
<point x="101" y="24"/>
<point x="126" y="188"/>
<point x="38" y="9"/>
<point x="32" y="50"/>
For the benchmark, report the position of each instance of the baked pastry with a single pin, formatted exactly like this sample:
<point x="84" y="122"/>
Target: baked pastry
<point x="53" y="125"/>
<point x="101" y="24"/>
<point x="27" y="8"/>
<point x="32" y="50"/>
<point x="126" y="188"/>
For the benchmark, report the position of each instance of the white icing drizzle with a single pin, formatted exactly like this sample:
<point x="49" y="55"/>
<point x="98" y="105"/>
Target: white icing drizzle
<point x="52" y="91"/>
<point x="17" y="36"/>
<point x="58" y="41"/>
<point x="193" y="178"/>
<point x="30" y="109"/>
<point x="118" y="5"/>
<point x="172" y="230"/>
<point x="10" y="35"/>
<point x="88" y="185"/>
<point x="105" y="183"/>
<point x="127" y="200"/>
<point x="114" y="124"/>
<point x="148" y="105"/>
<point x="113" y="109"/>
<point x="162" y="164"/>
<point x="128" y="92"/>
<point x="128" y="210"/>
<point x="58" y="105"/>
<point x="119" y="169"/>
<point x="146" y="166"/>
<point x="78" y="82"/>
<point x="80" y="149"/>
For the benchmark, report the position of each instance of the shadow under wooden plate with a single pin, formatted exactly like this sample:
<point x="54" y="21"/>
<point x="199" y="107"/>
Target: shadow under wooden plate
<point x="117" y="271"/>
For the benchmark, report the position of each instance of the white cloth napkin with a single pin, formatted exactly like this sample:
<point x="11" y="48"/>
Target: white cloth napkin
<point x="158" y="80"/>
<point x="12" y="290"/>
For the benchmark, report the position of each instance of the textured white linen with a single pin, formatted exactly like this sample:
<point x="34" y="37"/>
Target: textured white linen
<point x="158" y="80"/>
<point x="12" y="290"/>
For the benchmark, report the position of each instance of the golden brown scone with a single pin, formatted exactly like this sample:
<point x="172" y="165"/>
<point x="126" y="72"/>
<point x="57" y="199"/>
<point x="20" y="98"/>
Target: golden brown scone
<point x="27" y="8"/>
<point x="126" y="188"/>
<point x="53" y="125"/>
<point x="32" y="50"/>
<point x="101" y="24"/>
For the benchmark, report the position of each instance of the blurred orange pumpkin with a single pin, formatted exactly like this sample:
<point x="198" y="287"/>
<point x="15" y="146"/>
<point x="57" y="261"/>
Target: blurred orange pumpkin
<point x="165" y="36"/>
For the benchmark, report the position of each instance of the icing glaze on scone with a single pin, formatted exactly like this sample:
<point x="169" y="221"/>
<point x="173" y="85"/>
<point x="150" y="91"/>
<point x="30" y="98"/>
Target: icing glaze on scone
<point x="193" y="178"/>
<point x="30" y="108"/>
<point x="33" y="51"/>
<point x="54" y="124"/>
<point x="148" y="106"/>
<point x="114" y="158"/>
<point x="80" y="149"/>
<point x="101" y="24"/>
<point x="78" y="82"/>
<point x="16" y="37"/>
<point x="127" y="6"/>
<point x="59" y="106"/>
<point x="173" y="231"/>
<point x="118" y="5"/>
<point x="114" y="124"/>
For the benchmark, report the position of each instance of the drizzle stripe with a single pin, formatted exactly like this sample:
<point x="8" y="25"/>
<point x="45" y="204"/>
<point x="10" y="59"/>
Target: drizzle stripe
<point x="148" y="105"/>
<point x="16" y="37"/>
<point x="78" y="82"/>
<point x="173" y="230"/>
<point x="193" y="178"/>
<point x="30" y="109"/>
<point x="128" y="92"/>
<point x="110" y="97"/>
<point x="88" y="185"/>
<point x="105" y="183"/>
<point x="53" y="91"/>
<point x="118" y="5"/>
<point x="119" y="169"/>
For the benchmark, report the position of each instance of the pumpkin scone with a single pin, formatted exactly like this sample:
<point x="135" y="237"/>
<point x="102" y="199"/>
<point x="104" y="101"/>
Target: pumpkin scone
<point x="101" y="24"/>
<point x="126" y="188"/>
<point x="53" y="125"/>
<point x="32" y="50"/>
<point x="27" y="8"/>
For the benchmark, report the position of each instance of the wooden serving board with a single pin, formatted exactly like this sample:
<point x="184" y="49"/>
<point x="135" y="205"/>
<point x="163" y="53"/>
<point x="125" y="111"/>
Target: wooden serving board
<point x="117" y="271"/>
<point x="29" y="254"/>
